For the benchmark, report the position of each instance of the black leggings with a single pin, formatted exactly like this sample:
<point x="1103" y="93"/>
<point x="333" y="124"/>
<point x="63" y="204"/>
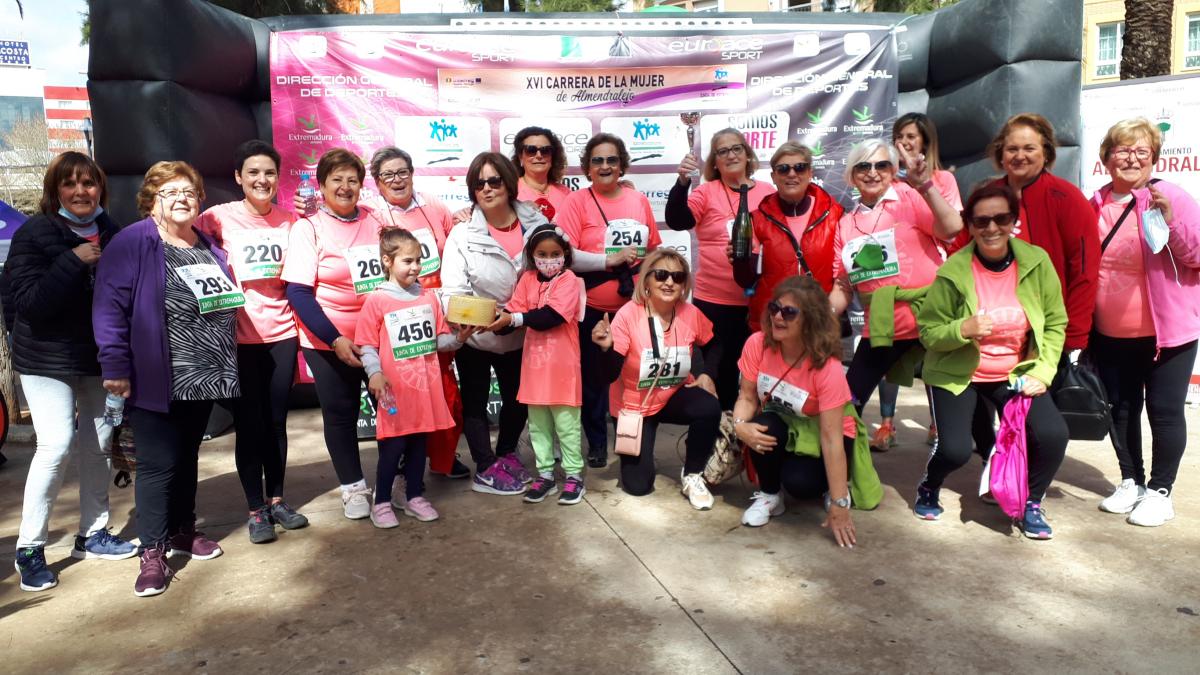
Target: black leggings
<point x="339" y="390"/>
<point x="475" y="381"/>
<point x="1045" y="434"/>
<point x="1132" y="378"/>
<point x="869" y="365"/>
<point x="730" y="326"/>
<point x="696" y="408"/>
<point x="260" y="417"/>
<point x="410" y="449"/>
<point x="168" y="446"/>
<point x="594" y="413"/>
<point x="802" y="476"/>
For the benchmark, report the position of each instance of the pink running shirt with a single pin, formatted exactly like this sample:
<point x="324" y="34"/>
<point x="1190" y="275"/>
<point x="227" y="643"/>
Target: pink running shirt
<point x="550" y="359"/>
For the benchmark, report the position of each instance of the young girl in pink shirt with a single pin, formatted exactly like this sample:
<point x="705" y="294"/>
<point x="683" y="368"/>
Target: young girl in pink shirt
<point x="548" y="299"/>
<point x="400" y="330"/>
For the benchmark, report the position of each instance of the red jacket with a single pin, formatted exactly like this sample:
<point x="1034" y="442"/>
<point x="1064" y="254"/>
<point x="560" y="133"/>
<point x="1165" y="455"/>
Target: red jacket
<point x="1061" y="221"/>
<point x="780" y="259"/>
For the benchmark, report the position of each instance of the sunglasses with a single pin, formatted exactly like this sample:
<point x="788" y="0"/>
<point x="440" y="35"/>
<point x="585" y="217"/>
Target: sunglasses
<point x="611" y="160"/>
<point x="785" y="169"/>
<point x="494" y="182"/>
<point x="786" y="312"/>
<point x="661" y="275"/>
<point x="531" y="150"/>
<point x="1001" y="220"/>
<point x="880" y="166"/>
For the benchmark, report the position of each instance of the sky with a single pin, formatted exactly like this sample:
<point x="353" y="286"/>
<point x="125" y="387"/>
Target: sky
<point x="52" y="29"/>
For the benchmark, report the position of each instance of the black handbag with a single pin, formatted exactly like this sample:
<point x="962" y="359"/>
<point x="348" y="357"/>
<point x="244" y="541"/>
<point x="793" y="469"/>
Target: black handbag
<point x="1080" y="397"/>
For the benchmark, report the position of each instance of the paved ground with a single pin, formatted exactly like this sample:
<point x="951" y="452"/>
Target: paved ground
<point x="622" y="584"/>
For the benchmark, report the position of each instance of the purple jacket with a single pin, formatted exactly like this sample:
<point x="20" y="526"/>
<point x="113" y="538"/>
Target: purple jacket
<point x="129" y="312"/>
<point x="1173" y="274"/>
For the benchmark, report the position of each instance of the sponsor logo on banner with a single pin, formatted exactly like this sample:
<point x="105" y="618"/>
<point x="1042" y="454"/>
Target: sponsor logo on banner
<point x="649" y="139"/>
<point x="729" y="48"/>
<point x="864" y="123"/>
<point x="656" y="187"/>
<point x="369" y="45"/>
<point x="483" y="49"/>
<point x="450" y="190"/>
<point x="450" y="141"/>
<point x="309" y="156"/>
<point x="764" y="131"/>
<point x="806" y="45"/>
<point x="312" y="46"/>
<point x="856" y="44"/>
<point x="816" y="125"/>
<point x="572" y="132"/>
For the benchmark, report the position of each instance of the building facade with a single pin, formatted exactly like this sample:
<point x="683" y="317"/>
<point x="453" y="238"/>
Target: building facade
<point x="1104" y="30"/>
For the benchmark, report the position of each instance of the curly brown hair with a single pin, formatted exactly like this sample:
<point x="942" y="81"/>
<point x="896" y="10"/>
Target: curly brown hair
<point x="819" y="331"/>
<point x="164" y="172"/>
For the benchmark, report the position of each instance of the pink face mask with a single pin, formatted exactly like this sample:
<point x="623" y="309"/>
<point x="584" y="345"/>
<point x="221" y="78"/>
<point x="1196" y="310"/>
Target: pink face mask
<point x="549" y="267"/>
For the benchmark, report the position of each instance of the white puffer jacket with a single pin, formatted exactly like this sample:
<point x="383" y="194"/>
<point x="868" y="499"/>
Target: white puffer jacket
<point x="474" y="263"/>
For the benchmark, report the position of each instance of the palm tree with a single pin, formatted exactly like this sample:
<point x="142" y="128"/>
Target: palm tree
<point x="1146" y="49"/>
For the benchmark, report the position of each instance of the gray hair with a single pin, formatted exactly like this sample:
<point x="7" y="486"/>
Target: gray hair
<point x="862" y="151"/>
<point x="386" y="154"/>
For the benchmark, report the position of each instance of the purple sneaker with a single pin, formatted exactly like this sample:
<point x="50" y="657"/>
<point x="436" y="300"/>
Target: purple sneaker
<point x="497" y="481"/>
<point x="154" y="575"/>
<point x="193" y="544"/>
<point x="512" y="464"/>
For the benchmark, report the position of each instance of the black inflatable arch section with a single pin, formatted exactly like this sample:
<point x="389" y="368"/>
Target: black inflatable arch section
<point x="184" y="79"/>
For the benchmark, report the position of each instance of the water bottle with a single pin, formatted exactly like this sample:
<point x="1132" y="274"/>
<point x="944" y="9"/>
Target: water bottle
<point x="388" y="401"/>
<point x="114" y="410"/>
<point x="308" y="192"/>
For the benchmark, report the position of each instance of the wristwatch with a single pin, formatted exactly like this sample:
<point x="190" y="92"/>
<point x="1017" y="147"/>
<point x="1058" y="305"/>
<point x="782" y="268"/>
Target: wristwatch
<point x="843" y="502"/>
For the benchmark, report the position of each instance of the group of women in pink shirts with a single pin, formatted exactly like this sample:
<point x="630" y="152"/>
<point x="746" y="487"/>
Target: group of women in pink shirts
<point x="598" y="323"/>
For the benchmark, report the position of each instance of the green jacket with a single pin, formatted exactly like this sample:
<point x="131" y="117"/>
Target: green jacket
<point x="804" y="439"/>
<point x="882" y="323"/>
<point x="951" y="359"/>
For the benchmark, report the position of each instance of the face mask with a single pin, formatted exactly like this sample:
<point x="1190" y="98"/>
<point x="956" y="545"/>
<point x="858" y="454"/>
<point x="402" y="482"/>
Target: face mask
<point x="62" y="211"/>
<point x="1155" y="230"/>
<point x="549" y="267"/>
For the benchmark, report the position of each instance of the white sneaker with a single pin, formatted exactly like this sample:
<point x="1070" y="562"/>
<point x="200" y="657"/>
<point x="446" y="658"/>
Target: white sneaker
<point x="1124" y="498"/>
<point x="1154" y="509"/>
<point x="399" y="486"/>
<point x="764" y="507"/>
<point x="696" y="491"/>
<point x="357" y="503"/>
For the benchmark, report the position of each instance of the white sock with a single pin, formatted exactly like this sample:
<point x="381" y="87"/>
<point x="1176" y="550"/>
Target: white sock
<point x="360" y="485"/>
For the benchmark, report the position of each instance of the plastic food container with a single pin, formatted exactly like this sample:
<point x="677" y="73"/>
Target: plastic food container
<point x="470" y="310"/>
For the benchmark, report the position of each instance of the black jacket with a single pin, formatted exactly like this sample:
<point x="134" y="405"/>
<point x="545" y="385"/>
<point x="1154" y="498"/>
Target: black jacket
<point x="49" y="290"/>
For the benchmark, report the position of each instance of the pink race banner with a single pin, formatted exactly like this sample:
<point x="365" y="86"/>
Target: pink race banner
<point x="445" y="97"/>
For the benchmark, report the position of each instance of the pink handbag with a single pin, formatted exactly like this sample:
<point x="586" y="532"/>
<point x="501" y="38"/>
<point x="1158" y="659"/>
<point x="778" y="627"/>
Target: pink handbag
<point x="1008" y="467"/>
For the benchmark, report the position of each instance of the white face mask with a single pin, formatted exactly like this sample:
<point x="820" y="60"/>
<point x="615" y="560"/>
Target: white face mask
<point x="1155" y="230"/>
<point x="549" y="267"/>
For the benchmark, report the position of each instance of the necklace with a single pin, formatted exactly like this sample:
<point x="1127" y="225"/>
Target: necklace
<point x="540" y="190"/>
<point x="877" y="208"/>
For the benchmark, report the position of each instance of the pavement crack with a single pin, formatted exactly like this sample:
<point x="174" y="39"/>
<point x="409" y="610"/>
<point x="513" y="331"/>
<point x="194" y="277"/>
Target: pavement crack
<point x="663" y="586"/>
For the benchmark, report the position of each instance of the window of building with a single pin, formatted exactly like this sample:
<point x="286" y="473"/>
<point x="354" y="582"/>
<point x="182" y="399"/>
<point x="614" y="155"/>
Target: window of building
<point x="1191" y="53"/>
<point x="1108" y="48"/>
<point x="796" y="5"/>
<point x="706" y="6"/>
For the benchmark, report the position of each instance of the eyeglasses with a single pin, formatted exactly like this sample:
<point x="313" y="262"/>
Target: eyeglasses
<point x="172" y="195"/>
<point x="494" y="182"/>
<point x="880" y="166"/>
<point x="544" y="150"/>
<point x="389" y="176"/>
<point x="737" y="149"/>
<point x="1124" y="152"/>
<point x="1001" y="220"/>
<point x="785" y="169"/>
<point x="786" y="312"/>
<point x="661" y="275"/>
<point x="611" y="160"/>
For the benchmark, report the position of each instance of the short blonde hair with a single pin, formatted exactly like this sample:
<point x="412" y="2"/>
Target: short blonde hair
<point x="164" y="172"/>
<point x="791" y="148"/>
<point x="1127" y="132"/>
<point x="710" y="162"/>
<point x="656" y="256"/>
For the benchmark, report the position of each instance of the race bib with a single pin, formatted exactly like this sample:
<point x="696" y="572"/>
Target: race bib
<point x="366" y="271"/>
<point x="671" y="370"/>
<point x="213" y="290"/>
<point x="256" y="254"/>
<point x="411" y="331"/>
<point x="872" y="256"/>
<point x="625" y="232"/>
<point x="431" y="261"/>
<point x="729" y="229"/>
<point x="782" y="394"/>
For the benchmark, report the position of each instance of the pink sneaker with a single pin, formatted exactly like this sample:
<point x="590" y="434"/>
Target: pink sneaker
<point x="193" y="544"/>
<point x="421" y="509"/>
<point x="383" y="516"/>
<point x="512" y="464"/>
<point x="398" y="487"/>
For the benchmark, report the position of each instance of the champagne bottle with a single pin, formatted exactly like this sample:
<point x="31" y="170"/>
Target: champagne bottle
<point x="743" y="238"/>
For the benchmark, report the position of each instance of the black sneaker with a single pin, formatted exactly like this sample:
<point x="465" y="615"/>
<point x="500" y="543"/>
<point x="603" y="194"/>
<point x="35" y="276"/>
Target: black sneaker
<point x="261" y="528"/>
<point x="597" y="457"/>
<point x="539" y="489"/>
<point x="35" y="575"/>
<point x="3" y="459"/>
<point x="286" y="516"/>
<point x="573" y="491"/>
<point x="459" y="470"/>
